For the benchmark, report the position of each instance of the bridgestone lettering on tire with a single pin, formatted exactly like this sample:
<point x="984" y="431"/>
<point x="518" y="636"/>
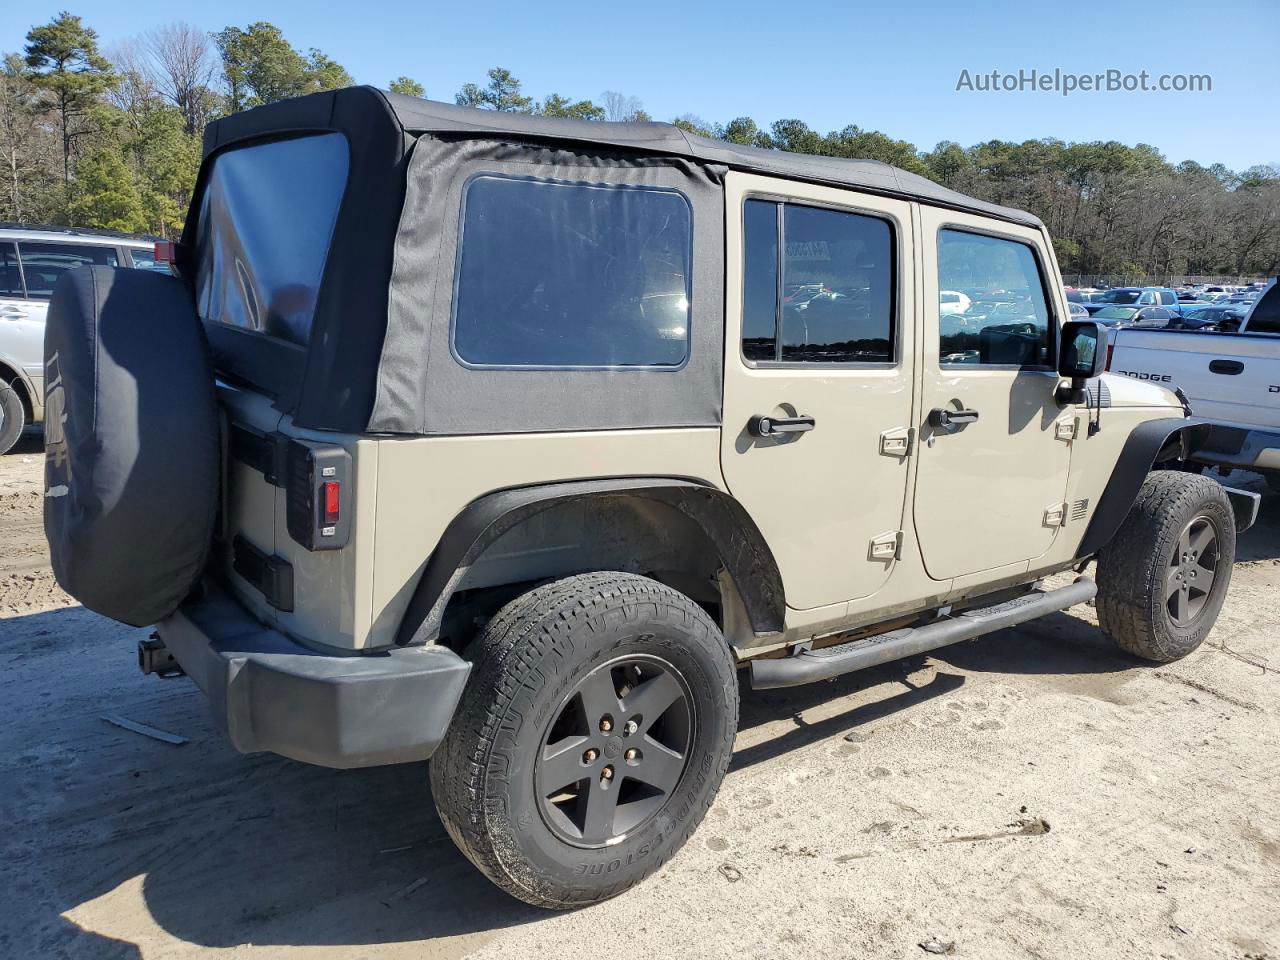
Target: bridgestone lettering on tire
<point x="595" y="683"/>
<point x="1163" y="579"/>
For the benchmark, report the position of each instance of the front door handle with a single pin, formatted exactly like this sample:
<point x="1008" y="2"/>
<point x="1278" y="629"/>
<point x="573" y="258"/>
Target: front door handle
<point x="940" y="418"/>
<point x="766" y="426"/>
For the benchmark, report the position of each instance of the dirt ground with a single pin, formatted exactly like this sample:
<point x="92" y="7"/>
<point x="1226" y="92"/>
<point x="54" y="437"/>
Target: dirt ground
<point x="1030" y="794"/>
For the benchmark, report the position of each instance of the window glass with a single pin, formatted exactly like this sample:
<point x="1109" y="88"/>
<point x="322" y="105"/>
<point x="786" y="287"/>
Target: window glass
<point x="1116" y="296"/>
<point x="144" y="259"/>
<point x="1006" y="318"/>
<point x="10" y="276"/>
<point x="760" y="280"/>
<point x="554" y="274"/>
<point x="1266" y="314"/>
<point x="262" y="238"/>
<point x="835" y="301"/>
<point x="44" y="263"/>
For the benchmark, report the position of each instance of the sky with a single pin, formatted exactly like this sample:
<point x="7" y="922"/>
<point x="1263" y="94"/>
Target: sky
<point x="893" y="67"/>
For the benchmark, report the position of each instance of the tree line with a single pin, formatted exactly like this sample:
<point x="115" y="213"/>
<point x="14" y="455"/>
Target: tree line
<point x="112" y="139"/>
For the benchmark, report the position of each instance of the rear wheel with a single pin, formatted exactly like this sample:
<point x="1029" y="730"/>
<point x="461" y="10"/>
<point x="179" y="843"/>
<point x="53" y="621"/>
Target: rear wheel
<point x="593" y="734"/>
<point x="1163" y="578"/>
<point x="13" y="417"/>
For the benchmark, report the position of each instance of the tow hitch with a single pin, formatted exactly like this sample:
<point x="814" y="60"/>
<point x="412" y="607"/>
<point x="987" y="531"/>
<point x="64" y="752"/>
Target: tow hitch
<point x="154" y="657"/>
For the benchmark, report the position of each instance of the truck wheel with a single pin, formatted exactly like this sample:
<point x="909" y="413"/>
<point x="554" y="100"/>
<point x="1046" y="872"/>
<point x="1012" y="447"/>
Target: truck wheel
<point x="1163" y="577"/>
<point x="12" y="417"/>
<point x="592" y="736"/>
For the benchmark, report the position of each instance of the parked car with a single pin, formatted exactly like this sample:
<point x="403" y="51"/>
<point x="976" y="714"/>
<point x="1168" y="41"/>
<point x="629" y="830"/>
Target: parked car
<point x="440" y="487"/>
<point x="31" y="261"/>
<point x="1113" y="316"/>
<point x="1077" y="310"/>
<point x="1201" y="316"/>
<point x="1230" y="379"/>
<point x="953" y="301"/>
<point x="1134" y="296"/>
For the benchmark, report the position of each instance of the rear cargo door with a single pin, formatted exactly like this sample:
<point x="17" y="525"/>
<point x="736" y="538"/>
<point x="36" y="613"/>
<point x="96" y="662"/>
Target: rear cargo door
<point x="266" y="217"/>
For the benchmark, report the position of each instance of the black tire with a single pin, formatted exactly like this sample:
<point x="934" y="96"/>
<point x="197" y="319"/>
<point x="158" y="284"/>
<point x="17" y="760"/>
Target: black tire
<point x="13" y="417"/>
<point x="531" y="663"/>
<point x="1151" y="598"/>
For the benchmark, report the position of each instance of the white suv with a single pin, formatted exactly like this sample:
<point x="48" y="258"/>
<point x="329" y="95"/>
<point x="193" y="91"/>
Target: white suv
<point x="31" y="261"/>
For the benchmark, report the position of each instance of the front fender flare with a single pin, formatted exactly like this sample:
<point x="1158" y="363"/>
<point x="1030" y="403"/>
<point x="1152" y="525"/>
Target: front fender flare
<point x="1150" y="442"/>
<point x="742" y="548"/>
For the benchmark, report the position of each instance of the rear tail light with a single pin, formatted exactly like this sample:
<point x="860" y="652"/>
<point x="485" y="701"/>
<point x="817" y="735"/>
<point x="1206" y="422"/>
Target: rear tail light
<point x="165" y="251"/>
<point x="318" y="494"/>
<point x="1111" y="348"/>
<point x="331" y="500"/>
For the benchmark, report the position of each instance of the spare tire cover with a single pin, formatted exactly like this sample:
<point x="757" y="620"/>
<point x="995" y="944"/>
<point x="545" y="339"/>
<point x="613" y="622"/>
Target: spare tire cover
<point x="131" y="442"/>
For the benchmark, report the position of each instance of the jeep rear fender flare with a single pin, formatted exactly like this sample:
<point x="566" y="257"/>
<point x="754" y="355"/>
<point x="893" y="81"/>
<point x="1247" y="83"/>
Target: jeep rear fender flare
<point x="1152" y="442"/>
<point x="741" y="547"/>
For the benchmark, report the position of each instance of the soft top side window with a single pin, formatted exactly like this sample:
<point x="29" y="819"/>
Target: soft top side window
<point x="1002" y="315"/>
<point x="570" y="275"/>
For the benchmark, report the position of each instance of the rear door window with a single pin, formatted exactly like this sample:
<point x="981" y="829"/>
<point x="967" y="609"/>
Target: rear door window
<point x="266" y="218"/>
<point x="43" y="263"/>
<point x="832" y="302"/>
<point x="555" y="274"/>
<point x="10" y="275"/>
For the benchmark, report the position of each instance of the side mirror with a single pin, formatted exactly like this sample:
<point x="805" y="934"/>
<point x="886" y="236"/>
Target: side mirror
<point x="1082" y="357"/>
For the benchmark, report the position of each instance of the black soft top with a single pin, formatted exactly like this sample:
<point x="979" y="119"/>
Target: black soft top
<point x="379" y="356"/>
<point x="412" y="117"/>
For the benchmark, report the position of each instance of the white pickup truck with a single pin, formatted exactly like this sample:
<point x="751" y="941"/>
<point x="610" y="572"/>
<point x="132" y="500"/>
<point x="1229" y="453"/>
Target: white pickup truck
<point x="1229" y="379"/>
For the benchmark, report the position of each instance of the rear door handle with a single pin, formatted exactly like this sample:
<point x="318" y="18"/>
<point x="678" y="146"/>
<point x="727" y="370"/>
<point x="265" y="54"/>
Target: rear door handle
<point x="765" y="426"/>
<point x="1228" y="368"/>
<point x="941" y="418"/>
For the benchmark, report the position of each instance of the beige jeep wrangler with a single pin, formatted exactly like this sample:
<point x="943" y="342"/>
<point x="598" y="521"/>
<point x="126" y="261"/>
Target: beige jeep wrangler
<point x="514" y="442"/>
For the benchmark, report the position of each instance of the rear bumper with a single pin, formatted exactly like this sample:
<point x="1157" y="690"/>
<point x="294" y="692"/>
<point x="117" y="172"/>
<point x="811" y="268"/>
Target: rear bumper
<point x="271" y="693"/>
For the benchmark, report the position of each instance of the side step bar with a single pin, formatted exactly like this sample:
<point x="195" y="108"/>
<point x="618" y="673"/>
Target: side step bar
<point x="811" y="665"/>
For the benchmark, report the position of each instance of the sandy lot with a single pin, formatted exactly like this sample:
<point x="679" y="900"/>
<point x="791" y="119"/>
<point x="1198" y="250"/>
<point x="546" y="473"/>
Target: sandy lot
<point x="1030" y="794"/>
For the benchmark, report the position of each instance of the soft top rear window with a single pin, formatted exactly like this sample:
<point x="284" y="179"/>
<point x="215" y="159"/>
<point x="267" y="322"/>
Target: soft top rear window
<point x="266" y="219"/>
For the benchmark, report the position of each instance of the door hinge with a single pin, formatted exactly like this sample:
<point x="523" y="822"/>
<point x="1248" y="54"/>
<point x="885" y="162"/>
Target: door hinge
<point x="887" y="546"/>
<point x="1055" y="515"/>
<point x="896" y="442"/>
<point x="1066" y="428"/>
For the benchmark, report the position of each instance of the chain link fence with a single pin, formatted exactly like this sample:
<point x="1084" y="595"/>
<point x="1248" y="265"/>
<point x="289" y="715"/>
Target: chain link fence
<point x="1149" y="280"/>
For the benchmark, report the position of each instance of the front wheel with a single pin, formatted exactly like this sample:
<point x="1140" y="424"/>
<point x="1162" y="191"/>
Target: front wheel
<point x="593" y="734"/>
<point x="1163" y="578"/>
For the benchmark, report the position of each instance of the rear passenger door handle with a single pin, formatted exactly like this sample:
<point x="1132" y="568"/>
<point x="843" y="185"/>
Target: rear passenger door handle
<point x="765" y="426"/>
<point x="941" y="418"/>
<point x="1227" y="368"/>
